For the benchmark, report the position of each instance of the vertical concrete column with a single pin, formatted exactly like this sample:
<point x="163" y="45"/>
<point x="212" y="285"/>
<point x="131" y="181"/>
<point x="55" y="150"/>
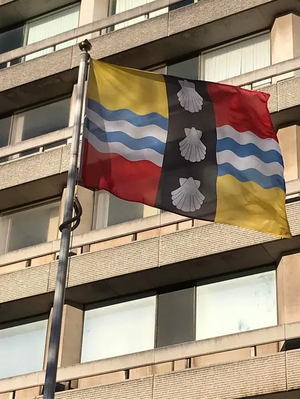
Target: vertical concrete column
<point x="90" y="11"/>
<point x="86" y="199"/>
<point x="285" y="41"/>
<point x="288" y="293"/>
<point x="289" y="140"/>
<point x="71" y="336"/>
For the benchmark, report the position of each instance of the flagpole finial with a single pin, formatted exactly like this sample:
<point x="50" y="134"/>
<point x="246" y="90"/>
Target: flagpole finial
<point x="85" y="45"/>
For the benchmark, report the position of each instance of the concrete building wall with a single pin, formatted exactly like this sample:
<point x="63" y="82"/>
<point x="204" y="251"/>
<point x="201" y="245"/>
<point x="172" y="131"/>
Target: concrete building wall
<point x="163" y="255"/>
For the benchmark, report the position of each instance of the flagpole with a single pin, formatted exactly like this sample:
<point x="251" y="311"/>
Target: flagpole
<point x="59" y="295"/>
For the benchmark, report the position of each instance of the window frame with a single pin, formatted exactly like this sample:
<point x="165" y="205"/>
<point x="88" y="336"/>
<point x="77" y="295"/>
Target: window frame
<point x="232" y="276"/>
<point x="23" y="208"/>
<point x="14" y="115"/>
<point x="228" y="44"/>
<point x="42" y="16"/>
<point x="28" y="320"/>
<point x="120" y="300"/>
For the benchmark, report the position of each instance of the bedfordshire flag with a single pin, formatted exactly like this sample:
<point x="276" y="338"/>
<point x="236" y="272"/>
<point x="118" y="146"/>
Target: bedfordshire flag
<point x="203" y="150"/>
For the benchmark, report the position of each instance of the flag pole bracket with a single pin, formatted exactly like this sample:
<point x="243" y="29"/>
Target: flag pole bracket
<point x="78" y="213"/>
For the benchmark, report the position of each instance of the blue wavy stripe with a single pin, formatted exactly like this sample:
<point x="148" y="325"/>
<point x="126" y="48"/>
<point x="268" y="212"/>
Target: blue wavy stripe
<point x="130" y="142"/>
<point x="252" y="175"/>
<point x="244" y="150"/>
<point x="152" y="118"/>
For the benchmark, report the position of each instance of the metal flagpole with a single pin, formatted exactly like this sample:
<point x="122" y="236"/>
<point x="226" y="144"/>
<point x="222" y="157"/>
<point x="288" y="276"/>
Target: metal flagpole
<point x="59" y="295"/>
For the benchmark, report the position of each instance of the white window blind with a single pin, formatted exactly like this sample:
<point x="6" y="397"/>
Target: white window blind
<point x="51" y="25"/>
<point x="124" y="5"/>
<point x="22" y="348"/>
<point x="236" y="59"/>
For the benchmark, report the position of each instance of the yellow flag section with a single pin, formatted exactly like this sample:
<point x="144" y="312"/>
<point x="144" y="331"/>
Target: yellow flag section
<point x="125" y="88"/>
<point x="249" y="205"/>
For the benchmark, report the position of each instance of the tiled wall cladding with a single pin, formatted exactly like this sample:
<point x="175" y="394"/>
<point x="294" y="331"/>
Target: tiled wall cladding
<point x="256" y="376"/>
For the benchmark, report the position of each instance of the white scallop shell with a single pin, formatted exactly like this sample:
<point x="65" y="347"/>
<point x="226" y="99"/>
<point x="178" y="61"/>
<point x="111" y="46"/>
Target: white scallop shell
<point x="191" y="148"/>
<point x="187" y="197"/>
<point x="189" y="99"/>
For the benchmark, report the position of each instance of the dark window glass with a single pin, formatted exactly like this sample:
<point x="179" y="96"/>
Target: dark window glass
<point x="181" y="4"/>
<point x="4" y="131"/>
<point x="175" y="317"/>
<point x="185" y="69"/>
<point x="45" y="119"/>
<point x="11" y="40"/>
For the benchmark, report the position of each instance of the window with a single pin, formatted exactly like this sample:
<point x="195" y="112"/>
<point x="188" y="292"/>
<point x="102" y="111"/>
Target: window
<point x="124" y="5"/>
<point x="110" y="210"/>
<point x="10" y="40"/>
<point x="180" y="4"/>
<point x="22" y="347"/>
<point x="34" y="122"/>
<point x="119" y="329"/>
<point x="41" y="120"/>
<point x="236" y="59"/>
<point x="51" y="25"/>
<point x="4" y="131"/>
<point x="187" y="69"/>
<point x="236" y="305"/>
<point x="38" y="29"/>
<point x="29" y="227"/>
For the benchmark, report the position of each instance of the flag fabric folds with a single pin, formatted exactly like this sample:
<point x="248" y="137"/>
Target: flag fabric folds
<point x="203" y="150"/>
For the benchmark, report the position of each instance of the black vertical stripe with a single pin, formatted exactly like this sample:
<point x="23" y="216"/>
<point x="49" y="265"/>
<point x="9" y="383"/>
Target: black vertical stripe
<point x="175" y="166"/>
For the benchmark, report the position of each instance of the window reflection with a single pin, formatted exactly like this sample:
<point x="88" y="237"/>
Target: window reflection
<point x="236" y="305"/>
<point x="119" y="329"/>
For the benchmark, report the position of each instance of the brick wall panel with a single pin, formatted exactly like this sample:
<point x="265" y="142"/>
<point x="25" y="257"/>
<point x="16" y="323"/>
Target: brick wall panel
<point x="24" y="283"/>
<point x="257" y="376"/>
<point x="293" y="369"/>
<point x="140" y="389"/>
<point x="28" y="169"/>
<point x="128" y="258"/>
<point x="288" y="93"/>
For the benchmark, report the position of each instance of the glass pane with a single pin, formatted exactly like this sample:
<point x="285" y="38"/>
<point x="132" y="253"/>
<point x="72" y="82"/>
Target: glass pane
<point x="4" y="131"/>
<point x="110" y="210"/>
<point x="237" y="58"/>
<point x="124" y="5"/>
<point x="52" y="25"/>
<point x="185" y="69"/>
<point x="123" y="211"/>
<point x="119" y="329"/>
<point x="22" y="348"/>
<point x="182" y="3"/>
<point x="11" y="40"/>
<point x="237" y="305"/>
<point x="42" y="120"/>
<point x="32" y="226"/>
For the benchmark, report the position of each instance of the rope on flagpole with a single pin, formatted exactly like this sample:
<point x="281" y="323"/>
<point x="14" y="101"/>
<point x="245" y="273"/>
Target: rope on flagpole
<point x="66" y="228"/>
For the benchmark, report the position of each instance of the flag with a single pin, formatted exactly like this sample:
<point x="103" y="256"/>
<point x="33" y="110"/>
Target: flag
<point x="199" y="149"/>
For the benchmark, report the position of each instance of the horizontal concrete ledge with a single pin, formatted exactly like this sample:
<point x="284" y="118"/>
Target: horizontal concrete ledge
<point x="36" y="142"/>
<point x="133" y="227"/>
<point x="94" y="236"/>
<point x="159" y="355"/>
<point x="86" y="29"/>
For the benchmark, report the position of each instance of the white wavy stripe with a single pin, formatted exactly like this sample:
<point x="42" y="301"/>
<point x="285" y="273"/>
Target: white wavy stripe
<point x="126" y="127"/>
<point x="246" y="138"/>
<point x="267" y="169"/>
<point x="147" y="154"/>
